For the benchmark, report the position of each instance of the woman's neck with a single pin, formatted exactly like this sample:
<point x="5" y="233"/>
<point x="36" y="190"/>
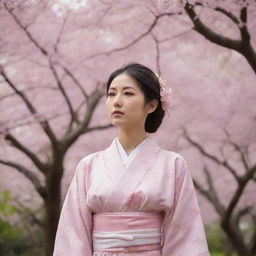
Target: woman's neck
<point x="130" y="140"/>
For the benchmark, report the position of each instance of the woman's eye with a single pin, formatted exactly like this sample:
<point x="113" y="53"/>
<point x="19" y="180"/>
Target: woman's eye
<point x="129" y="93"/>
<point x="126" y="93"/>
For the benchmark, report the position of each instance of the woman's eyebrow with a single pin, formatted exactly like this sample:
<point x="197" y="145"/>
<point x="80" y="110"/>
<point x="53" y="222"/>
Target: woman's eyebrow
<point x="125" y="87"/>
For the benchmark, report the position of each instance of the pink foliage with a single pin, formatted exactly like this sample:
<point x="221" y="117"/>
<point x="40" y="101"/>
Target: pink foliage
<point x="214" y="86"/>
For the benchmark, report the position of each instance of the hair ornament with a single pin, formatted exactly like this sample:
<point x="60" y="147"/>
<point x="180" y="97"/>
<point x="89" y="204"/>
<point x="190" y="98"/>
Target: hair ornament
<point x="166" y="94"/>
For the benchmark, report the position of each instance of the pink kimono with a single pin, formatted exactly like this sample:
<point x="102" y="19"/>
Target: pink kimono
<point x="146" y="206"/>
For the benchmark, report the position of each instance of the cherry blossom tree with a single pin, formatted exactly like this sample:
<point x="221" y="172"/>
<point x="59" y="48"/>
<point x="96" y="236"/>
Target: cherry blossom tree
<point x="55" y="58"/>
<point x="230" y="214"/>
<point x="78" y="115"/>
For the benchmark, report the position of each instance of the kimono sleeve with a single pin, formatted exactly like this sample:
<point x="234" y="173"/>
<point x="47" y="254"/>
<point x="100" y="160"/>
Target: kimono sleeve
<point x="183" y="231"/>
<point x="73" y="237"/>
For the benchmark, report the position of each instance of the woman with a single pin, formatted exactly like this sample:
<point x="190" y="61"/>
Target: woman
<point x="132" y="198"/>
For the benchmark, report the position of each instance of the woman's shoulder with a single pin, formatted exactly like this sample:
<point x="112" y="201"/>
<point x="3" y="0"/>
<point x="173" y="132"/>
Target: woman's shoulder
<point x="85" y="163"/>
<point x="88" y="158"/>
<point x="172" y="154"/>
<point x="176" y="162"/>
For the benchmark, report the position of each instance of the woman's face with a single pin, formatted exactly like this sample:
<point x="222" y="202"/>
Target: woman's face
<point x="125" y="95"/>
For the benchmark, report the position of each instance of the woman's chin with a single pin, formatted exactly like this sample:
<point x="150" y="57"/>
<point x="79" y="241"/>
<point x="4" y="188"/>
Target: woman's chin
<point x="118" y="123"/>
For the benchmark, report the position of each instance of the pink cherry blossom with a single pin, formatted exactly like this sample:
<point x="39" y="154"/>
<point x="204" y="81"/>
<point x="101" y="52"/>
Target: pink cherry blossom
<point x="166" y="95"/>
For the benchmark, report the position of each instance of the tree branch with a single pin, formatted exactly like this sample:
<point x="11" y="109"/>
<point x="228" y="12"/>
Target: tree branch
<point x="242" y="46"/>
<point x="243" y="28"/>
<point x="14" y="142"/>
<point x="30" y="175"/>
<point x="44" y="124"/>
<point x="33" y="217"/>
<point x="151" y="27"/>
<point x="99" y="127"/>
<point x="242" y="155"/>
<point x="230" y="15"/>
<point x="63" y="92"/>
<point x="214" y="158"/>
<point x="157" y="54"/>
<point x="92" y="102"/>
<point x="26" y="123"/>
<point x="60" y="32"/>
<point x="42" y="50"/>
<point x="237" y="195"/>
<point x="208" y="33"/>
<point x="213" y="194"/>
<point x="241" y="213"/>
<point x="75" y="80"/>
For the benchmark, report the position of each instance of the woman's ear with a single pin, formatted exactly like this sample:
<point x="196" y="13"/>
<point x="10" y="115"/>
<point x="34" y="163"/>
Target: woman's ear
<point x="152" y="105"/>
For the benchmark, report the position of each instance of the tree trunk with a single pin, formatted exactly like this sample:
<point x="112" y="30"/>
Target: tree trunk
<point x="236" y="241"/>
<point x="53" y="208"/>
<point x="228" y="247"/>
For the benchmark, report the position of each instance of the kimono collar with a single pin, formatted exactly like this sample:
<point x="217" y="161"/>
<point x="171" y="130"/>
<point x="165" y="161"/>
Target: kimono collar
<point x="128" y="158"/>
<point x="122" y="150"/>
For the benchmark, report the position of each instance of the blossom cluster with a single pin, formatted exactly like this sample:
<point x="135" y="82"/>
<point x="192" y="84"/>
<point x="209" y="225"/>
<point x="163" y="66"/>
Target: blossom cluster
<point x="166" y="95"/>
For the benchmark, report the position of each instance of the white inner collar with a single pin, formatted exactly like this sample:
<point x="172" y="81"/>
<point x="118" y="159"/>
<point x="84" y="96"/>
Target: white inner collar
<point x="128" y="158"/>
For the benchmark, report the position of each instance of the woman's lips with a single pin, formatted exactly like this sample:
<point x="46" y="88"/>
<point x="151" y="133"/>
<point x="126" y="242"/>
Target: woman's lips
<point x="117" y="113"/>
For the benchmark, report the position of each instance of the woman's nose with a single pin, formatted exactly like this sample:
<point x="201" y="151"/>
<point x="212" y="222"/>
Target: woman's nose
<point x="117" y="101"/>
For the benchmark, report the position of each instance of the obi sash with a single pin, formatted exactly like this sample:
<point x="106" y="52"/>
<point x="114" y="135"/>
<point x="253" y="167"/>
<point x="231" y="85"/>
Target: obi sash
<point x="127" y="231"/>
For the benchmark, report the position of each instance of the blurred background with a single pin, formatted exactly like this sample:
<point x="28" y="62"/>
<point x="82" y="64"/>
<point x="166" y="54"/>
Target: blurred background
<point x="55" y="59"/>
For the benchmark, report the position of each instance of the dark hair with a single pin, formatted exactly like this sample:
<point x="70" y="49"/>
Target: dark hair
<point x="149" y="83"/>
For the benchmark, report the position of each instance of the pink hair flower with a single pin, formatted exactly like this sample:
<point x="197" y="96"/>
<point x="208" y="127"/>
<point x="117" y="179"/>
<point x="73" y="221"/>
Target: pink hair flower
<point x="166" y="95"/>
